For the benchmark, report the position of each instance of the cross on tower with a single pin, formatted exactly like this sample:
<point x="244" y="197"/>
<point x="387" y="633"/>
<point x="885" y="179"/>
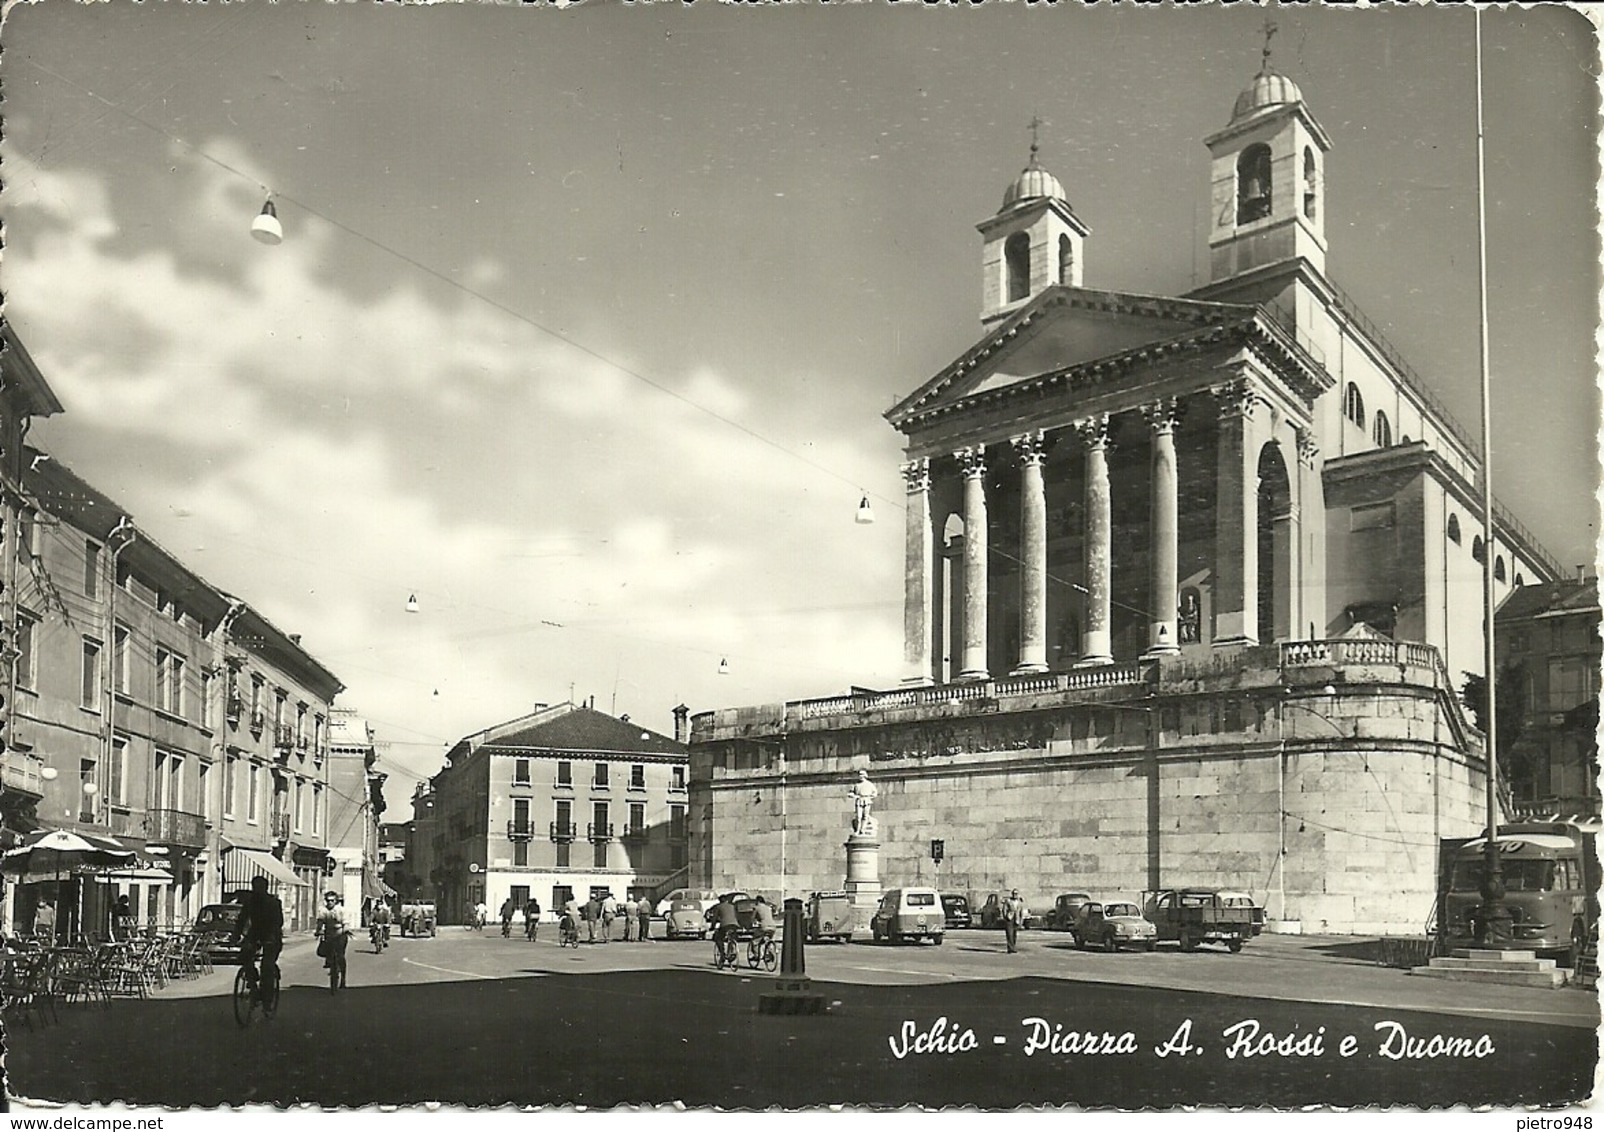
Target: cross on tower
<point x="1269" y="32"/>
<point x="1035" y="136"/>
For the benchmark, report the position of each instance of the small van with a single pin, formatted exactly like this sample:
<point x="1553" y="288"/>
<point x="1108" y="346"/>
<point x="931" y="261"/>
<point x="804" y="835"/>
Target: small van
<point x="685" y="912"/>
<point x="909" y="913"/>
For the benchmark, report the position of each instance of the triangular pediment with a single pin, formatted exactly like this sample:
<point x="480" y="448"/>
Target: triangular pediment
<point x="1061" y="328"/>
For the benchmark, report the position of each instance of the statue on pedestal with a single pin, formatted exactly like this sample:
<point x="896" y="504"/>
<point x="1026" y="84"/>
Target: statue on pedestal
<point x="863" y="794"/>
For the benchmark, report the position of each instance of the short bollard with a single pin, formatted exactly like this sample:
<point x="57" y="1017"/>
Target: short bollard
<point x="792" y="991"/>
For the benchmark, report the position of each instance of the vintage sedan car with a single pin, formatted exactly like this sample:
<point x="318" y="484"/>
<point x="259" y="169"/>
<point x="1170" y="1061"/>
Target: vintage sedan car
<point x="828" y="915"/>
<point x="956" y="909"/>
<point x="685" y="912"/>
<point x="1113" y="924"/>
<point x="991" y="912"/>
<point x="1066" y="911"/>
<point x="215" y="925"/>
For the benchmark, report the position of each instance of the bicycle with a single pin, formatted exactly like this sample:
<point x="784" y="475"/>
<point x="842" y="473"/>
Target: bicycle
<point x="506" y="929"/>
<point x="251" y="992"/>
<point x="337" y="964"/>
<point x="568" y="934"/>
<point x="380" y="934"/>
<point x="724" y="951"/>
<point x="761" y="953"/>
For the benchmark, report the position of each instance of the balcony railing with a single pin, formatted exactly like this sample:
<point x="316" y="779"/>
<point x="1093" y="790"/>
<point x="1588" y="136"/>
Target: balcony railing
<point x="24" y="772"/>
<point x="176" y="828"/>
<point x="236" y="709"/>
<point x="258" y="720"/>
<point x="122" y="823"/>
<point x="283" y="736"/>
<point x="280" y="825"/>
<point x="520" y="831"/>
<point x="634" y="833"/>
<point x="563" y="831"/>
<point x="602" y="831"/>
<point x="302" y="742"/>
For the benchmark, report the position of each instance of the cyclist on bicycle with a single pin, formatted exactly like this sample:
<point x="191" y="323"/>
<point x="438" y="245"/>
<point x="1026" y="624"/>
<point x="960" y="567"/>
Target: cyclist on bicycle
<point x="762" y="923"/>
<point x="380" y="918"/>
<point x="726" y="924"/>
<point x="335" y="930"/>
<point x="261" y="929"/>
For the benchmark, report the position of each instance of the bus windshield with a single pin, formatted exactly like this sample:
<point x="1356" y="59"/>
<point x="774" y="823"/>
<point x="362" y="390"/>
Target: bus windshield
<point x="1519" y="876"/>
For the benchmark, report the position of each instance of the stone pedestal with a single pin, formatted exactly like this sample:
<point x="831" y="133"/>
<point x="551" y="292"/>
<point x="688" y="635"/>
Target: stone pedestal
<point x="863" y="877"/>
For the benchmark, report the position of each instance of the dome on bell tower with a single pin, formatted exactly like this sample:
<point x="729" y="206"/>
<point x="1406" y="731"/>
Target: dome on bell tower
<point x="1267" y="89"/>
<point x="1033" y="183"/>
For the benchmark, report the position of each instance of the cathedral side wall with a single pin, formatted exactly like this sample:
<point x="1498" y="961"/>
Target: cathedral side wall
<point x="1367" y="793"/>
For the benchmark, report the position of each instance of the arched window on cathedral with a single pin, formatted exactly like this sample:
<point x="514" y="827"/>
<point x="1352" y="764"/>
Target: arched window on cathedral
<point x="1498" y="569"/>
<point x="1016" y="252"/>
<point x="1354" y="405"/>
<point x="1453" y="529"/>
<point x="1310" y="176"/>
<point x="1253" y="183"/>
<point x="1478" y="549"/>
<point x="1066" y="261"/>
<point x="1382" y="430"/>
<point x="1520" y="579"/>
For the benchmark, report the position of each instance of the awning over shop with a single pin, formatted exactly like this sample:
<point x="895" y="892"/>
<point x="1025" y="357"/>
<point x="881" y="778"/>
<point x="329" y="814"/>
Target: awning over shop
<point x="374" y="888"/>
<point x="241" y="866"/>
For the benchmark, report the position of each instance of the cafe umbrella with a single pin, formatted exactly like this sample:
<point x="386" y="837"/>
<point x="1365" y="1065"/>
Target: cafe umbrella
<point x="44" y="853"/>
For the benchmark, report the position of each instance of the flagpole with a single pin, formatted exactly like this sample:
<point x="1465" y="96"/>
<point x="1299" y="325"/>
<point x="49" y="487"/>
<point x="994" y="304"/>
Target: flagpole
<point x="1494" y="923"/>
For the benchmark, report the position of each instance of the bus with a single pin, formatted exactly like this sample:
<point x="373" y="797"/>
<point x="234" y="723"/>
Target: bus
<point x="1551" y="876"/>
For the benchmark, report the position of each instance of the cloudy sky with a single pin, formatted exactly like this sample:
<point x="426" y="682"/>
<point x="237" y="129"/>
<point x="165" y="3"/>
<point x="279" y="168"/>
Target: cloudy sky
<point x="586" y="319"/>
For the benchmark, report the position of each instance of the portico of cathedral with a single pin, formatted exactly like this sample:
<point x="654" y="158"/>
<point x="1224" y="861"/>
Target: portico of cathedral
<point x="1188" y="584"/>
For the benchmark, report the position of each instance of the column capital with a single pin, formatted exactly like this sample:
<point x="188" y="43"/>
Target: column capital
<point x="1162" y="415"/>
<point x="916" y="475"/>
<point x="972" y="461"/>
<point x="1031" y="448"/>
<point x="1093" y="431"/>
<point x="1308" y="447"/>
<point x="1236" y="399"/>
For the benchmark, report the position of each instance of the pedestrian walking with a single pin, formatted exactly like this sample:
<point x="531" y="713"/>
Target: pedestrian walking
<point x="532" y="919"/>
<point x="1013" y="917"/>
<point x="628" y="912"/>
<point x="643" y="909"/>
<point x="592" y="916"/>
<point x="609" y="913"/>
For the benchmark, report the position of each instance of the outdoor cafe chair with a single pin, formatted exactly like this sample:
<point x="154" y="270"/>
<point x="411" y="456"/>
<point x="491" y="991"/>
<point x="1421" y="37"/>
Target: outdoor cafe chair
<point x="25" y="984"/>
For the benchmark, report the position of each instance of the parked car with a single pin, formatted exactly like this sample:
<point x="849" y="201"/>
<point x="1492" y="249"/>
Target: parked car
<point x="745" y="910"/>
<point x="1066" y="911"/>
<point x="685" y="912"/>
<point x="1191" y="916"/>
<point x="909" y="913"/>
<point x="991" y="913"/>
<point x="1235" y="899"/>
<point x="956" y="910"/>
<point x="215" y="924"/>
<point x="1112" y="925"/>
<point x="829" y="916"/>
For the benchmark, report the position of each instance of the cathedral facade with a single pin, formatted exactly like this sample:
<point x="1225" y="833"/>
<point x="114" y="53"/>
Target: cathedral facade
<point x="1187" y="583"/>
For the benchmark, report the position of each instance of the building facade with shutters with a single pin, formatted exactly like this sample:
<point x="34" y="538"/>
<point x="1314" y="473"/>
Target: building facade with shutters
<point x="161" y="711"/>
<point x="560" y="803"/>
<point x="1186" y="579"/>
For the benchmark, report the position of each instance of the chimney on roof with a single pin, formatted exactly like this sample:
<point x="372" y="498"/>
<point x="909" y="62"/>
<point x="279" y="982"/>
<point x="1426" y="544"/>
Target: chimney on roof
<point x="682" y="724"/>
<point x="295" y="638"/>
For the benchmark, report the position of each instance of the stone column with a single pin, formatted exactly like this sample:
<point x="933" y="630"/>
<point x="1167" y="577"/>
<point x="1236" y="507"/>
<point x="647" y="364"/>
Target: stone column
<point x="972" y="461"/>
<point x="1308" y="549"/>
<point x="1165" y="527"/>
<point x="1236" y="527"/>
<point x="1097" y="642"/>
<point x="1032" y="450"/>
<point x="918" y="582"/>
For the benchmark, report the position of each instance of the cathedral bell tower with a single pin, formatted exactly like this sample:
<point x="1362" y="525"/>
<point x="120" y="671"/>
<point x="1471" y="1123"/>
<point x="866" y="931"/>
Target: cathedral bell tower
<point x="1268" y="200"/>
<point x="1034" y="242"/>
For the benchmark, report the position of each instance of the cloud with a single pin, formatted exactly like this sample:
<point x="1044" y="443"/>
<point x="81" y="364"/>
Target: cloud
<point x="325" y="453"/>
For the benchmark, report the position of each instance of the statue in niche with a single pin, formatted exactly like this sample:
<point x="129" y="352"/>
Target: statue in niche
<point x="1190" y="616"/>
<point x="863" y="794"/>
